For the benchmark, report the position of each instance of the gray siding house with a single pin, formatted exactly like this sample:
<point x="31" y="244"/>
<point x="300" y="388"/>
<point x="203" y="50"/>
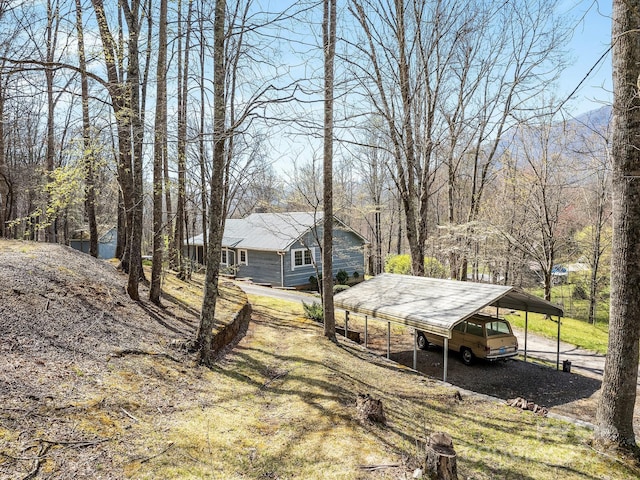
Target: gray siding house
<point x="282" y="249"/>
<point x="106" y="243"/>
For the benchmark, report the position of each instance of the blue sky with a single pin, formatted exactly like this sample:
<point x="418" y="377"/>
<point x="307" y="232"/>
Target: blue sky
<point x="592" y="38"/>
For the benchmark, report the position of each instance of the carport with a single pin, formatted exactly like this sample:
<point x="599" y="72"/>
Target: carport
<point x="435" y="306"/>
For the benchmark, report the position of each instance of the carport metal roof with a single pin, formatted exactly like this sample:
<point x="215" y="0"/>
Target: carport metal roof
<point x="434" y="305"/>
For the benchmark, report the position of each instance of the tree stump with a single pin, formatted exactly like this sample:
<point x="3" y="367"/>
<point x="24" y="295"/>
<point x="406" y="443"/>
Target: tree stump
<point x="440" y="462"/>
<point x="370" y="409"/>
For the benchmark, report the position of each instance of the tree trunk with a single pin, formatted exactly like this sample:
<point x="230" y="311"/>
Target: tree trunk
<point x="178" y="233"/>
<point x="201" y="145"/>
<point x="88" y="154"/>
<point x="126" y="109"/>
<point x="204" y="335"/>
<point x="415" y="223"/>
<point x="122" y="227"/>
<point x="614" y="415"/>
<point x="440" y="462"/>
<point x="52" y="22"/>
<point x="159" y="155"/>
<point x="4" y="174"/>
<point x="329" y="43"/>
<point x="595" y="272"/>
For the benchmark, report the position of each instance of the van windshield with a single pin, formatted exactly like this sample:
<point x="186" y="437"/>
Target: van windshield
<point x="497" y="327"/>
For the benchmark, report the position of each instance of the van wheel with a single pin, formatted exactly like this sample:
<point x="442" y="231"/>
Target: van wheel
<point x="467" y="356"/>
<point x="421" y="342"/>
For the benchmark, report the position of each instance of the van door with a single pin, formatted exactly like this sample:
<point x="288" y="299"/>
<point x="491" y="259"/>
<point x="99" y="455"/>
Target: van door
<point x="457" y="336"/>
<point x="474" y="338"/>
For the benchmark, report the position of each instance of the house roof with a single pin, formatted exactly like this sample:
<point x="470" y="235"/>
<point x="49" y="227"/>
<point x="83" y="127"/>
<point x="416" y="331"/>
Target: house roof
<point x="434" y="305"/>
<point x="82" y="233"/>
<point x="265" y="231"/>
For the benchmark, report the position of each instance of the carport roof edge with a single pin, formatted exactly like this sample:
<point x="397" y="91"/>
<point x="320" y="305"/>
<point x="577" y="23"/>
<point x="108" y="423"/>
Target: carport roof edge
<point x="431" y="304"/>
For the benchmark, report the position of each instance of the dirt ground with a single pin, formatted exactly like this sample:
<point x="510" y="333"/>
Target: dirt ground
<point x="67" y="325"/>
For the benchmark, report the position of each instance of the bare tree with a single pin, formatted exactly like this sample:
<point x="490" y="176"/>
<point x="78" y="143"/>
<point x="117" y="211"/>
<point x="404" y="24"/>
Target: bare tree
<point x="447" y="78"/>
<point x="4" y="174"/>
<point x="183" y="88"/>
<point x="204" y="335"/>
<point x="545" y="176"/>
<point x="125" y="101"/>
<point x="372" y="169"/>
<point x="159" y="155"/>
<point x="593" y="148"/>
<point x="87" y="147"/>
<point x="329" y="46"/>
<point x="614" y="415"/>
<point x="202" y="150"/>
<point x="53" y="21"/>
<point x="498" y="73"/>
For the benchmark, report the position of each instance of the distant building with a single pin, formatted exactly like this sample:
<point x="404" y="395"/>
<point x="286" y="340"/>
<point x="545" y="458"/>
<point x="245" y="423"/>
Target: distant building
<point x="106" y="242"/>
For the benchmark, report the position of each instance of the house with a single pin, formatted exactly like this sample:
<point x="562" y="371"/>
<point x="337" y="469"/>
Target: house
<point x="106" y="242"/>
<point x="283" y="249"/>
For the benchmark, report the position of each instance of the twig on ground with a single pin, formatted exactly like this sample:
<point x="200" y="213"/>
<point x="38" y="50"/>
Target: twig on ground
<point x="75" y="443"/>
<point x="38" y="462"/>
<point x="372" y="468"/>
<point x="275" y="377"/>
<point x="157" y="454"/>
<point x="129" y="415"/>
<point x="135" y="351"/>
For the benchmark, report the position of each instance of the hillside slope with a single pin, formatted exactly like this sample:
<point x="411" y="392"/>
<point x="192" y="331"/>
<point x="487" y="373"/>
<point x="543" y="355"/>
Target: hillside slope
<point x="65" y="318"/>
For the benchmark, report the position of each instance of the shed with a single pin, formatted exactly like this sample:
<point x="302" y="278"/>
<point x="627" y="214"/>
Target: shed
<point x="434" y="305"/>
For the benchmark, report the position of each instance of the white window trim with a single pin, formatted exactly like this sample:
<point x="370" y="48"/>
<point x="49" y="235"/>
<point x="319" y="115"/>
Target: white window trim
<point x="246" y="257"/>
<point x="312" y="252"/>
<point x="225" y="252"/>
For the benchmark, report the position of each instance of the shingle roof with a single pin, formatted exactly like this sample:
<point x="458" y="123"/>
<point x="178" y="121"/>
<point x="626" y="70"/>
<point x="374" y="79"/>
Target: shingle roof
<point x="265" y="231"/>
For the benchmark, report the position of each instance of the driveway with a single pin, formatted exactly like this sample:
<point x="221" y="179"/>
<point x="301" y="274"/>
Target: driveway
<point x="582" y="361"/>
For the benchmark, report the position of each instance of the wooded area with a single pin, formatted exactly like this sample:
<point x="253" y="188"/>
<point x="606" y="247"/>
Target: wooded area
<point x="432" y="124"/>
<point x="447" y="143"/>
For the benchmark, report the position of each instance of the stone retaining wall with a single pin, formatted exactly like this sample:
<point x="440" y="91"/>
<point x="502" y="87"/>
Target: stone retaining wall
<point x="229" y="332"/>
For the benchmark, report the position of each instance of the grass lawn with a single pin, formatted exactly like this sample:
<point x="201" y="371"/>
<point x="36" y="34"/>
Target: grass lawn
<point x="281" y="404"/>
<point x="575" y="332"/>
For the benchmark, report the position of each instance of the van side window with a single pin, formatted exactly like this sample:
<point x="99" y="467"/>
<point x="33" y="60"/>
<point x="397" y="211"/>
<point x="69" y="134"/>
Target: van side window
<point x="498" y="327"/>
<point x="460" y="327"/>
<point x="474" y="329"/>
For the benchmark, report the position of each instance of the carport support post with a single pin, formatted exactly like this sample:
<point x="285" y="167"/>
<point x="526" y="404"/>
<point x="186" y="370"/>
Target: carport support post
<point x="415" y="348"/>
<point x="346" y="323"/>
<point x="558" y="350"/>
<point x="526" y="332"/>
<point x="446" y="358"/>
<point x="366" y="318"/>
<point x="388" y="339"/>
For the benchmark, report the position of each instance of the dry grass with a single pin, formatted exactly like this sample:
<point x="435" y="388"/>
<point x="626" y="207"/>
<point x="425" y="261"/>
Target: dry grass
<point x="282" y="405"/>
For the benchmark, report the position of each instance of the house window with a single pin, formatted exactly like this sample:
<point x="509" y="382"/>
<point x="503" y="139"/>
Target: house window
<point x="302" y="257"/>
<point x="224" y="257"/>
<point x="243" y="258"/>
